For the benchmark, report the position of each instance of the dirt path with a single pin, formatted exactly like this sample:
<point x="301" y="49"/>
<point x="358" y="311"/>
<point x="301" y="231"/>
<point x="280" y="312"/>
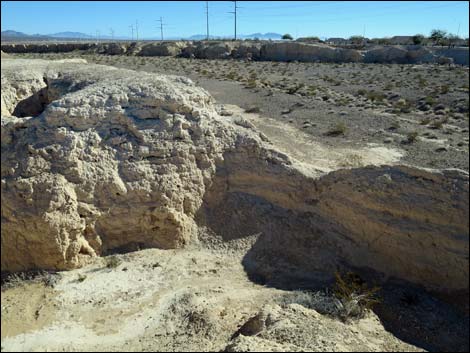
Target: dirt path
<point x="314" y="156"/>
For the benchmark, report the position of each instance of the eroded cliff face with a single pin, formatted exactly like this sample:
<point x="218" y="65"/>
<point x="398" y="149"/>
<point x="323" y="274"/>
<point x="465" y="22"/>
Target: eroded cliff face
<point x="113" y="159"/>
<point x="269" y="51"/>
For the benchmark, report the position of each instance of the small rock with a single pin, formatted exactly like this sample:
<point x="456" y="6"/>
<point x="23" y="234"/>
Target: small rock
<point x="226" y="113"/>
<point x="424" y="107"/>
<point x="385" y="178"/>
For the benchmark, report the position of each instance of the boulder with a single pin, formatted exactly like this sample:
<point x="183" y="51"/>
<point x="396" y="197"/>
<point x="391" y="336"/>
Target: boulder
<point x="420" y="55"/>
<point x="162" y="49"/>
<point x="443" y="60"/>
<point x="112" y="49"/>
<point x="295" y="51"/>
<point x="214" y="50"/>
<point x="460" y="56"/>
<point x="117" y="158"/>
<point x="247" y="51"/>
<point x="387" y="54"/>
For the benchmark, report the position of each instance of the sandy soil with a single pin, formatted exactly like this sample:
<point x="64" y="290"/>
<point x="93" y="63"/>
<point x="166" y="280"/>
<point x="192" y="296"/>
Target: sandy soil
<point x="200" y="299"/>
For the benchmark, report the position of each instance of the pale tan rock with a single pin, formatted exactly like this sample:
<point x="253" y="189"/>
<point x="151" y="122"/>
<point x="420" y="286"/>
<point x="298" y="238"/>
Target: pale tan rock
<point x="295" y="328"/>
<point x="162" y="49"/>
<point x="120" y="157"/>
<point x="290" y="51"/>
<point x="387" y="54"/>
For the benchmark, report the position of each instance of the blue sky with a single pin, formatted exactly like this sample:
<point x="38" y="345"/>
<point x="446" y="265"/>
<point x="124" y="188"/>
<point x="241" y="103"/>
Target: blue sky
<point x="185" y="18"/>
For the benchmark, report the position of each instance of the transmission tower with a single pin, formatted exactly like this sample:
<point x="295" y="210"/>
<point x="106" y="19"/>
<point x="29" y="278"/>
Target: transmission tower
<point x="132" y="31"/>
<point x="235" y="13"/>
<point x="136" y="30"/>
<point x="161" y="27"/>
<point x="112" y="33"/>
<point x="207" y="19"/>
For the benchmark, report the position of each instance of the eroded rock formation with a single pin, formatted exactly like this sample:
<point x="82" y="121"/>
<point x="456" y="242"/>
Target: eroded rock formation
<point x="290" y="51"/>
<point x="270" y="51"/>
<point x="112" y="159"/>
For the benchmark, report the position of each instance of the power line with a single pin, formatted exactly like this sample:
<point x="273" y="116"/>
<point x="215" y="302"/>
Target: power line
<point x="288" y="6"/>
<point x="398" y="10"/>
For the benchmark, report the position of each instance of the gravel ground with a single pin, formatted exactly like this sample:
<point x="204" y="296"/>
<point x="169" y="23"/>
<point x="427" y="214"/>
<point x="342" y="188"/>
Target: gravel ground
<point x="420" y="109"/>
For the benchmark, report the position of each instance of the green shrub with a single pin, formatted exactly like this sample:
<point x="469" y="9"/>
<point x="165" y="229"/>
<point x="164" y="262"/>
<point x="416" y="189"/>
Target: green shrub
<point x="112" y="261"/>
<point x="444" y="89"/>
<point x="376" y="96"/>
<point x="418" y="39"/>
<point x="412" y="137"/>
<point x="253" y="110"/>
<point x="353" y="295"/>
<point x="338" y="129"/>
<point x="251" y="84"/>
<point x="425" y="121"/>
<point x="430" y="100"/>
<point x="437" y="124"/>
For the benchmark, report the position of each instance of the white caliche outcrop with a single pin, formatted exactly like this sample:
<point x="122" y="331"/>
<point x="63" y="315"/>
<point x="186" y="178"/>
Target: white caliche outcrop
<point x="162" y="49"/>
<point x="96" y="158"/>
<point x="117" y="158"/>
<point x="294" y="51"/>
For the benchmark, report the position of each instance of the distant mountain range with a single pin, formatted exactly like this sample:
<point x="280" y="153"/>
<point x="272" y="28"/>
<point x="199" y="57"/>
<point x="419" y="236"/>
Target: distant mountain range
<point x="14" y="35"/>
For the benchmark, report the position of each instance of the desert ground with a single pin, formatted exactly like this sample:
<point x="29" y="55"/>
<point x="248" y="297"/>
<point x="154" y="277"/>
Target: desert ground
<point x="226" y="289"/>
<point x="420" y="110"/>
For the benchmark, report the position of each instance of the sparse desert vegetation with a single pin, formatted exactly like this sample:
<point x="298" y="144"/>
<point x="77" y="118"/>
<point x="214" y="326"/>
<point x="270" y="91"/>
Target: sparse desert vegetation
<point x="372" y="104"/>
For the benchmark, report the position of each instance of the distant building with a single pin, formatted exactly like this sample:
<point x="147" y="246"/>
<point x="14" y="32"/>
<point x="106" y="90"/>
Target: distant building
<point x="337" y="41"/>
<point x="401" y="40"/>
<point x="461" y="43"/>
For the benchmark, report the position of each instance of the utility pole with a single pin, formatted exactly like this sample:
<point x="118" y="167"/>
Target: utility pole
<point x="136" y="30"/>
<point x="235" y="13"/>
<point x="132" y="31"/>
<point x="364" y="35"/>
<point x="112" y="34"/>
<point x="161" y="27"/>
<point x="97" y="36"/>
<point x="207" y="19"/>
